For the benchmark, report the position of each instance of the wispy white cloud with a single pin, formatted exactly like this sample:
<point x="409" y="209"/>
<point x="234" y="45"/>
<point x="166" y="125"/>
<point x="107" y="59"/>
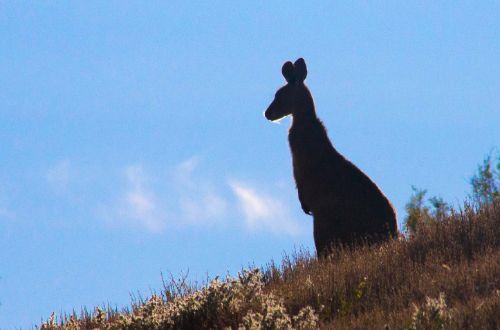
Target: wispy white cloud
<point x="189" y="198"/>
<point x="264" y="212"/>
<point x="200" y="203"/>
<point x="59" y="175"/>
<point x="141" y="202"/>
<point x="138" y="205"/>
<point x="182" y="199"/>
<point x="184" y="170"/>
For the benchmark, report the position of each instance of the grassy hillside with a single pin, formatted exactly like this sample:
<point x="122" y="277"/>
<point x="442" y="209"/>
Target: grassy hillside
<point x="446" y="275"/>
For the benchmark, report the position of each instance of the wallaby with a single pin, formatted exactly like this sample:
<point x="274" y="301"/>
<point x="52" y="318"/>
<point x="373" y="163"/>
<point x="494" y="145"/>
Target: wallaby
<point x="348" y="208"/>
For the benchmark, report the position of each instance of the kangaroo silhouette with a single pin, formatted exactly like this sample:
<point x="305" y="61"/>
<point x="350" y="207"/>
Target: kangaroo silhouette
<point x="347" y="206"/>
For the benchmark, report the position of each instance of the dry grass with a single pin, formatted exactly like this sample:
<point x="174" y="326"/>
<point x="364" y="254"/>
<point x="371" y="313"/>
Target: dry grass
<point x="447" y="275"/>
<point x="383" y="286"/>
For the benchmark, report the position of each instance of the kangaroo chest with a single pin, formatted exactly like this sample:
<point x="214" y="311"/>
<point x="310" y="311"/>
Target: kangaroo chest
<point x="309" y="152"/>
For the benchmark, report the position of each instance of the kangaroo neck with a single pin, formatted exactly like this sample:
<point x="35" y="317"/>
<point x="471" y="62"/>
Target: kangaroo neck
<point x="305" y="115"/>
<point x="302" y="108"/>
<point x="308" y="138"/>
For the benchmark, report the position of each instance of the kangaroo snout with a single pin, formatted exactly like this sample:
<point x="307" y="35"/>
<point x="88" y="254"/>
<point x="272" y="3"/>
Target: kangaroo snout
<point x="268" y="115"/>
<point x="276" y="111"/>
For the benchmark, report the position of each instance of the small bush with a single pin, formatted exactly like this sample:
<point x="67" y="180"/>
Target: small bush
<point x="434" y="314"/>
<point x="486" y="182"/>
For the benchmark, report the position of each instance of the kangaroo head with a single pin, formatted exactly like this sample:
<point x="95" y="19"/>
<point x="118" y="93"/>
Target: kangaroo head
<point x="292" y="98"/>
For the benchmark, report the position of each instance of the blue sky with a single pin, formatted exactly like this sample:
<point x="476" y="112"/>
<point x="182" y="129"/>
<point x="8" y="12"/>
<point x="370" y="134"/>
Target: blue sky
<point x="133" y="142"/>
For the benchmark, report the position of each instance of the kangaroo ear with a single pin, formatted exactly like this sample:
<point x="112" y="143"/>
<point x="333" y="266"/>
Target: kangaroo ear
<point x="300" y="70"/>
<point x="288" y="72"/>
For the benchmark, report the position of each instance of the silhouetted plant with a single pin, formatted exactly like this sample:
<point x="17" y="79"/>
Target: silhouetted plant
<point x="486" y="181"/>
<point x="485" y="184"/>
<point x="440" y="209"/>
<point x="420" y="210"/>
<point x="416" y="210"/>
